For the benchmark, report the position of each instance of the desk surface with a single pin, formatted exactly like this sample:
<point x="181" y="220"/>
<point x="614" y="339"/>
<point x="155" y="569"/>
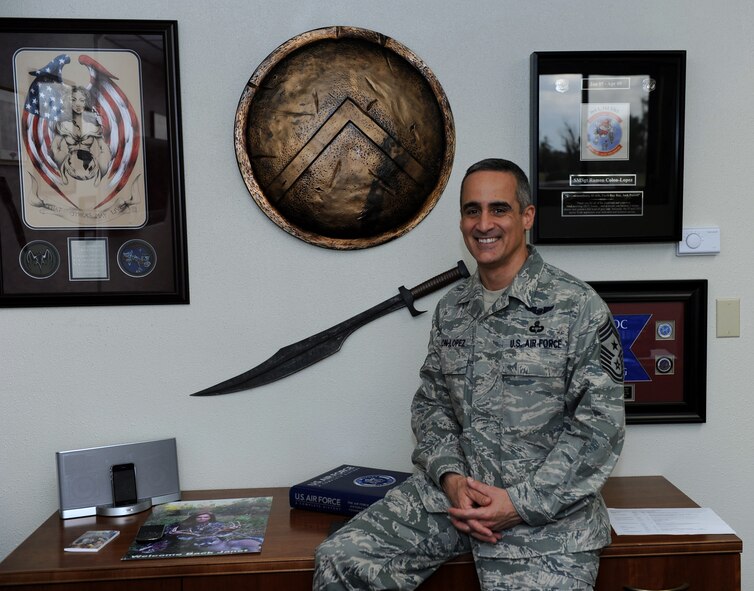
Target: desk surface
<point x="290" y="540"/>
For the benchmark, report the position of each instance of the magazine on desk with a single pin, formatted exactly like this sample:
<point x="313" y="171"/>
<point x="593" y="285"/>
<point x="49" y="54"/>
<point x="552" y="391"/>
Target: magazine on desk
<point x="206" y="528"/>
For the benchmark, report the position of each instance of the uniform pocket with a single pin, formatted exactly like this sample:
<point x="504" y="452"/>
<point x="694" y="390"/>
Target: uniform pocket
<point x="454" y="363"/>
<point x="532" y="404"/>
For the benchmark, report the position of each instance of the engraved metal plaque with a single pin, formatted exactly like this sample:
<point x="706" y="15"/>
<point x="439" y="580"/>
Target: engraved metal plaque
<point x="344" y="138"/>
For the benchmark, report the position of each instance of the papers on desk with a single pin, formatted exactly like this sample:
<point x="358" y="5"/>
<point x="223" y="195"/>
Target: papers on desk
<point x="641" y="522"/>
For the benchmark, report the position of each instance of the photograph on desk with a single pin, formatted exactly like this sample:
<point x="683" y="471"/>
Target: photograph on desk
<point x="92" y="541"/>
<point x="206" y="528"/>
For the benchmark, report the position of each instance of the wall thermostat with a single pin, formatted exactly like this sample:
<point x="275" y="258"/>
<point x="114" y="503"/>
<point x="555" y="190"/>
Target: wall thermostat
<point x="699" y="241"/>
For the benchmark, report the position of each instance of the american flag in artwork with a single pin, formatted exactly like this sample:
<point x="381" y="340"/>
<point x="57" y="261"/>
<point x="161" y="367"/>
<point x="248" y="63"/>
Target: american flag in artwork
<point x="44" y="109"/>
<point x="120" y="123"/>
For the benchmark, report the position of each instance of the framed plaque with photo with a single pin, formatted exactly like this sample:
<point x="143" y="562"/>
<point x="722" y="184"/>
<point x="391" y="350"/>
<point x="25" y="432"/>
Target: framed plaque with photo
<point x="663" y="329"/>
<point x="91" y="186"/>
<point x="607" y="146"/>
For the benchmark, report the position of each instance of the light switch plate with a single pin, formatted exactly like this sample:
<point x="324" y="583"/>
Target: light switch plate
<point x="728" y="317"/>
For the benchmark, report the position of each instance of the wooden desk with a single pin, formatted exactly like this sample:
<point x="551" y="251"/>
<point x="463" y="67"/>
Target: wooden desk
<point x="286" y="561"/>
<point x="707" y="563"/>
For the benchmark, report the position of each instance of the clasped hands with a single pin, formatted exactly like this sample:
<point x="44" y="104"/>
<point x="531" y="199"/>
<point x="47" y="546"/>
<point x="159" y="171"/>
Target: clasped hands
<point x="479" y="510"/>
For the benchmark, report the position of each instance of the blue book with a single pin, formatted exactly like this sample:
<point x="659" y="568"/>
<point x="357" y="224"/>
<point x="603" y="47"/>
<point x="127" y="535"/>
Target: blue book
<point x="346" y="490"/>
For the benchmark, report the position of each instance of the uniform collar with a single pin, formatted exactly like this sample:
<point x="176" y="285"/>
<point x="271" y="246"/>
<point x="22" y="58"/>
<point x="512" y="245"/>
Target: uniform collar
<point x="524" y="287"/>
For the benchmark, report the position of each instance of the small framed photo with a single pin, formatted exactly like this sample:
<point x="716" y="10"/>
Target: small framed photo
<point x="607" y="146"/>
<point x="91" y="170"/>
<point x="663" y="330"/>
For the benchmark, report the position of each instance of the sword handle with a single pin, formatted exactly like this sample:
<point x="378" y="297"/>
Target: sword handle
<point x="440" y="280"/>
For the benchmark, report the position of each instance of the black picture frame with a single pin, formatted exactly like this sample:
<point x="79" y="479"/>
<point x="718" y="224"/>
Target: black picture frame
<point x="665" y="323"/>
<point x="91" y="187"/>
<point x="607" y="133"/>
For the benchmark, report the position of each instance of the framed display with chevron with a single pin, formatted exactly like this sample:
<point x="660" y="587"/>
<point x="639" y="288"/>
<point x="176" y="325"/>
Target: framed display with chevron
<point x="91" y="172"/>
<point x="663" y="329"/>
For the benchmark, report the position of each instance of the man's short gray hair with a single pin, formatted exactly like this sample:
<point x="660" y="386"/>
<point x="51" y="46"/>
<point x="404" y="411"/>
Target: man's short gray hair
<point x="523" y="189"/>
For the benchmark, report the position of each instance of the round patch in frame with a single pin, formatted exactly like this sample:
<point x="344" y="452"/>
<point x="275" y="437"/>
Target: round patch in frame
<point x="39" y="259"/>
<point x="665" y="365"/>
<point x="605" y="133"/>
<point x="665" y="330"/>
<point x="137" y="258"/>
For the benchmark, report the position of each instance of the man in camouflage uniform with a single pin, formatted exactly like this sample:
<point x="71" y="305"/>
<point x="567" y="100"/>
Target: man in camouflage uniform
<point x="519" y="421"/>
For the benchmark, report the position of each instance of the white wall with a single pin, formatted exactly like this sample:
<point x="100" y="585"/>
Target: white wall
<point x="80" y="377"/>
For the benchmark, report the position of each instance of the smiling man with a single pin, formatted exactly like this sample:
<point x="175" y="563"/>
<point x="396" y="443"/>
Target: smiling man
<point x="518" y="420"/>
<point x="494" y="220"/>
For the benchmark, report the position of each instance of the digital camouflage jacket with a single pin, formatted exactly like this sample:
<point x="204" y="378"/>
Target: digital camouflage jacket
<point x="528" y="397"/>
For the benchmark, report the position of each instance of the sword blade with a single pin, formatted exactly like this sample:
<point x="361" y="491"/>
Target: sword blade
<point x="309" y="351"/>
<point x="302" y="354"/>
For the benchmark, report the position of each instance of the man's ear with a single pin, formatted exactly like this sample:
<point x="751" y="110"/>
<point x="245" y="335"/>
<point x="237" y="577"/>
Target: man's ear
<point x="528" y="216"/>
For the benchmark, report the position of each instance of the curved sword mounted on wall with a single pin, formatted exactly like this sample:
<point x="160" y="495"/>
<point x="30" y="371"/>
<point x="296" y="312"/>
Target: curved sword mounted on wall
<point x="302" y="354"/>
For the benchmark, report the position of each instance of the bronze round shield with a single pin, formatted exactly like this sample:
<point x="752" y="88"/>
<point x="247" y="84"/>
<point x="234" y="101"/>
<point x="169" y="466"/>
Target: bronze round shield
<point x="344" y="137"/>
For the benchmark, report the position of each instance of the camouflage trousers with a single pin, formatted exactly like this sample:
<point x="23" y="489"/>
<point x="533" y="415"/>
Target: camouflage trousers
<point x="397" y="544"/>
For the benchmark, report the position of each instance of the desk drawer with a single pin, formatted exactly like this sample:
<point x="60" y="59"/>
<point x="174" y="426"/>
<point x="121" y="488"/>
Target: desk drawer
<point x="170" y="584"/>
<point x="703" y="572"/>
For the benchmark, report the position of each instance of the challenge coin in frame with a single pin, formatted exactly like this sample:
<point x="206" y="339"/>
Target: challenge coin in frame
<point x="137" y="258"/>
<point x="39" y="259"/>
